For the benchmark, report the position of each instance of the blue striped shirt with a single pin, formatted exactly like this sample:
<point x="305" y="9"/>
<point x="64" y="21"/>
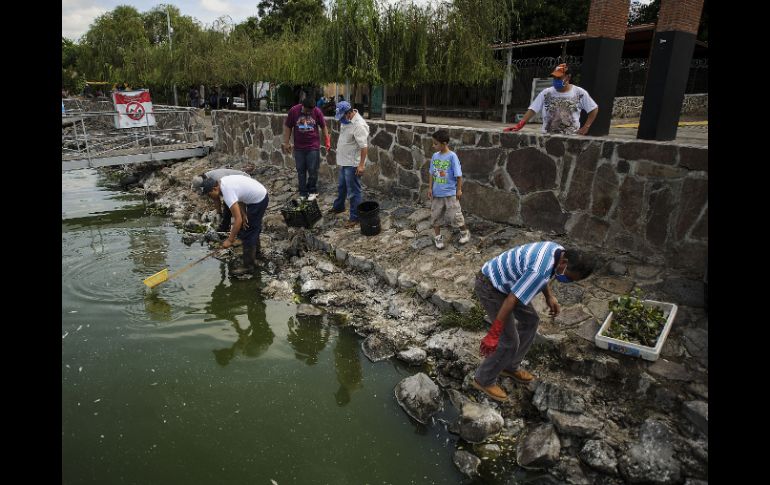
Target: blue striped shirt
<point x="523" y="270"/>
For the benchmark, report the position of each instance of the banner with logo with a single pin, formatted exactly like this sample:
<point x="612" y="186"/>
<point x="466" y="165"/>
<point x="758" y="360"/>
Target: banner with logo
<point x="134" y="109"/>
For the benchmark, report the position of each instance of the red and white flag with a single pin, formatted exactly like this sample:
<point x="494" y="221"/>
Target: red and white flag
<point x="134" y="109"/>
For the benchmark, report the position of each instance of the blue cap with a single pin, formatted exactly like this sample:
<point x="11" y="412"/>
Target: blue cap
<point x="342" y="108"/>
<point x="208" y="185"/>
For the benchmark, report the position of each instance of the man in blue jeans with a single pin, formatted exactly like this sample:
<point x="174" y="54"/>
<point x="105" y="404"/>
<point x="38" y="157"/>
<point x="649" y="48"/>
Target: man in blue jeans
<point x="352" y="148"/>
<point x="247" y="200"/>
<point x="306" y="120"/>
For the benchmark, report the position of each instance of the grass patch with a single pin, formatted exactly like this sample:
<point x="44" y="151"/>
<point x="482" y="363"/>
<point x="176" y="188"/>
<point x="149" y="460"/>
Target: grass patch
<point x="473" y="320"/>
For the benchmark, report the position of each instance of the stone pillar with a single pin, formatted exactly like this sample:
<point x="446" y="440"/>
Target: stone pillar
<point x="607" y="22"/>
<point x="670" y="58"/>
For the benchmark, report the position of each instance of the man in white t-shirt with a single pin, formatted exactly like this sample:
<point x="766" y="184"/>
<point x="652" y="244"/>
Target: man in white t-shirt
<point x="352" y="149"/>
<point x="560" y="106"/>
<point x="247" y="223"/>
<point x="216" y="174"/>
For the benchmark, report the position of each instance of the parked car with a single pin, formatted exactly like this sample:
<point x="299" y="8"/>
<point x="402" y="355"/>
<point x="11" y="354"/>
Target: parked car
<point x="239" y="103"/>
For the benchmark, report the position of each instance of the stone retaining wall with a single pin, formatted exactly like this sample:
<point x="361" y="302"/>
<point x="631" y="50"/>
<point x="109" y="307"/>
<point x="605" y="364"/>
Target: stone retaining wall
<point x="647" y="198"/>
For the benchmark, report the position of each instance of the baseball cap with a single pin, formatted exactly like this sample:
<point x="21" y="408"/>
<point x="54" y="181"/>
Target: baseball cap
<point x="559" y="71"/>
<point x="342" y="108"/>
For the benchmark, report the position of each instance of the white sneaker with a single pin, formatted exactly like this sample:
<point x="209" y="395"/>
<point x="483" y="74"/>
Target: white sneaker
<point x="312" y="197"/>
<point x="439" y="241"/>
<point x="465" y="237"/>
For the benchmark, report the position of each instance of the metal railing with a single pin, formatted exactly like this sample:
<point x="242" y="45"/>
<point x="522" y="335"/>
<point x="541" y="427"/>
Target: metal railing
<point x="91" y="135"/>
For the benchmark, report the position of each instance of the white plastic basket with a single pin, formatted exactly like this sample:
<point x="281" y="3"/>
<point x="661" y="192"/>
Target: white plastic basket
<point x="636" y="350"/>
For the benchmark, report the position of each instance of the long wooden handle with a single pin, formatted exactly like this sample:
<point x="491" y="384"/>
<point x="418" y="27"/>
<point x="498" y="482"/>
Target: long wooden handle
<point x="177" y="273"/>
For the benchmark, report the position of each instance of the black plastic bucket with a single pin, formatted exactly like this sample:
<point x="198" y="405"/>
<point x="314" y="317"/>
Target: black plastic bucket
<point x="369" y="217"/>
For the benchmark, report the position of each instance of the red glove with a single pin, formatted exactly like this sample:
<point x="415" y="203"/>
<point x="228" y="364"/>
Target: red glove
<point x="515" y="127"/>
<point x="489" y="342"/>
<point x="328" y="142"/>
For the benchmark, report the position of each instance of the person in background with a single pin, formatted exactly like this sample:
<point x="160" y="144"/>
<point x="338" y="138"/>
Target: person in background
<point x="352" y="148"/>
<point x="445" y="189"/>
<point x="560" y="106"/>
<point x="307" y="122"/>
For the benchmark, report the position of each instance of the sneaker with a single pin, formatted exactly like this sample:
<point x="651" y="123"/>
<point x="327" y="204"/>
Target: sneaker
<point x="335" y="211"/>
<point x="494" y="391"/>
<point x="465" y="237"/>
<point x="439" y="241"/>
<point x="312" y="197"/>
<point x="350" y="224"/>
<point x="521" y="376"/>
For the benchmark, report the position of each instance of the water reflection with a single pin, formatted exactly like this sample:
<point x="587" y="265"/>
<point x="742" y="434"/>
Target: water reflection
<point x="308" y="336"/>
<point x="347" y="364"/>
<point x="228" y="302"/>
<point x="158" y="308"/>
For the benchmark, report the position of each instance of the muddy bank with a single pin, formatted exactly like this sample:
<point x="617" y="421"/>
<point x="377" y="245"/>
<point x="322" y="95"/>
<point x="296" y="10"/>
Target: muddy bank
<point x="591" y="416"/>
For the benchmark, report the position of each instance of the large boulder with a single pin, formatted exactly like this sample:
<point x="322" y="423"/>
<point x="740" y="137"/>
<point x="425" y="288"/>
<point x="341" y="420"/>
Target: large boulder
<point x="419" y="396"/>
<point x="539" y="448"/>
<point x="478" y="422"/>
<point x="651" y="458"/>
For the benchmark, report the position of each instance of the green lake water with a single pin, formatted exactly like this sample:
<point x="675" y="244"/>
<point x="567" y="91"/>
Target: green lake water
<point x="202" y="381"/>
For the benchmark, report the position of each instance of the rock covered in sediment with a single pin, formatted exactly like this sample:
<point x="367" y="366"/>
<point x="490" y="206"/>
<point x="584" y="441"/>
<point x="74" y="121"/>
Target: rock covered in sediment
<point x="574" y="424"/>
<point x="377" y="348"/>
<point x="651" y="458"/>
<point x="698" y="413"/>
<point x="600" y="456"/>
<point x="419" y="396"/>
<point x="454" y="344"/>
<point x="314" y="286"/>
<point x="413" y="356"/>
<point x="551" y="396"/>
<point x="539" y="448"/>
<point x="467" y="463"/>
<point x="278" y="290"/>
<point x="305" y="310"/>
<point x="478" y="422"/>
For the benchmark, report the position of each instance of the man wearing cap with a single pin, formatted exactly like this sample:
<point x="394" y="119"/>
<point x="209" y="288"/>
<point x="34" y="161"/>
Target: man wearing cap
<point x="506" y="286"/>
<point x="560" y="106"/>
<point x="304" y="120"/>
<point x="352" y="148"/>
<point x="247" y="219"/>
<point x="216" y="174"/>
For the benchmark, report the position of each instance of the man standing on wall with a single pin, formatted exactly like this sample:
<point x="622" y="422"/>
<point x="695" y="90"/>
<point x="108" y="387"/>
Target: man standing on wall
<point x="560" y="106"/>
<point x="352" y="148"/>
<point x="305" y="119"/>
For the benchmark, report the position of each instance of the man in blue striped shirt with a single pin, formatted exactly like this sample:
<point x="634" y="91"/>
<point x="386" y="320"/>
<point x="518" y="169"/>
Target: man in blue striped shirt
<point x="505" y="286"/>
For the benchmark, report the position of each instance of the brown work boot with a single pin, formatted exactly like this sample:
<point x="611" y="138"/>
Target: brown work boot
<point x="494" y="391"/>
<point x="521" y="376"/>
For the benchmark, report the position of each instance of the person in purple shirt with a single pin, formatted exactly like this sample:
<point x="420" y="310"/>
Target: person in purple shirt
<point x="306" y="120"/>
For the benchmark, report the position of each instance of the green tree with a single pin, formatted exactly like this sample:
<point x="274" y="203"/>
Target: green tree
<point x="71" y="78"/>
<point x="546" y="18"/>
<point x="277" y="16"/>
<point x="108" y="40"/>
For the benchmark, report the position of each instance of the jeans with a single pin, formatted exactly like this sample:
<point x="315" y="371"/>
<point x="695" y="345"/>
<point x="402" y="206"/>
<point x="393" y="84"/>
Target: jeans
<point x="255" y="213"/>
<point x="518" y="332"/>
<point x="348" y="186"/>
<point x="307" y="162"/>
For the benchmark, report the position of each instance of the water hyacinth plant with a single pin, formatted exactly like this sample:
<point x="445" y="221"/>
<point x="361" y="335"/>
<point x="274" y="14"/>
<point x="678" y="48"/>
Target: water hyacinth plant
<point x="635" y="322"/>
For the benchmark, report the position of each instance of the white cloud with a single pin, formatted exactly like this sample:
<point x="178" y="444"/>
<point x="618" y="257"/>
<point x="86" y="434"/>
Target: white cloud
<point x="75" y="23"/>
